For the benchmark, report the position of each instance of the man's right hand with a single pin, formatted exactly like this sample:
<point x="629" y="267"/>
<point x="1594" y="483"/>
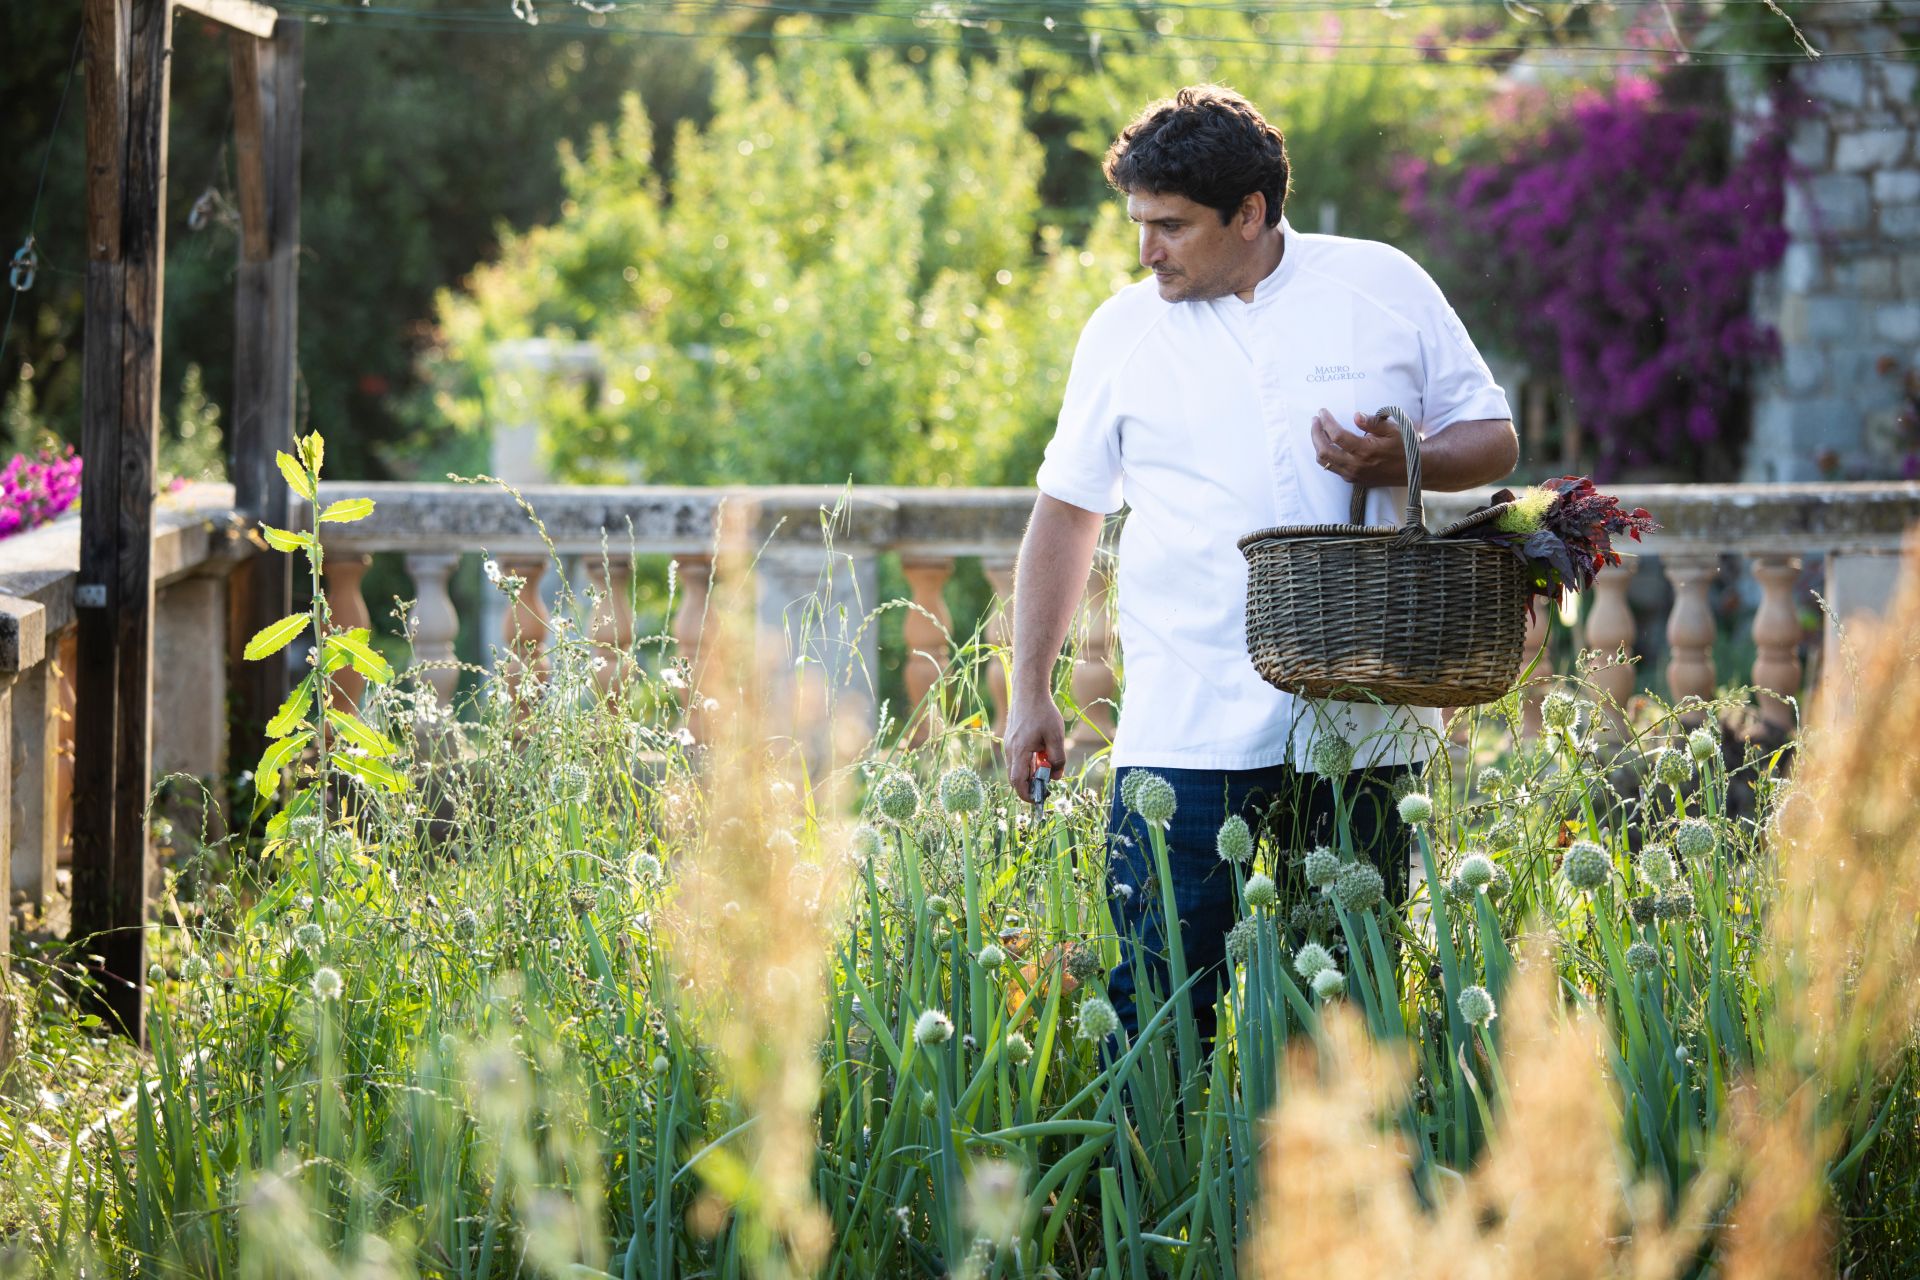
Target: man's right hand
<point x="1038" y="727"/>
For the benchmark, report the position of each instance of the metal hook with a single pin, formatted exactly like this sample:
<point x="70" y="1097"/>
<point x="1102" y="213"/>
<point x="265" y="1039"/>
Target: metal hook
<point x="26" y="263"/>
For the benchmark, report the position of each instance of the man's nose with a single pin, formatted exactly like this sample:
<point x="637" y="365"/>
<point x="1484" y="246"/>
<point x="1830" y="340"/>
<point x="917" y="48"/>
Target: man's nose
<point x="1151" y="250"/>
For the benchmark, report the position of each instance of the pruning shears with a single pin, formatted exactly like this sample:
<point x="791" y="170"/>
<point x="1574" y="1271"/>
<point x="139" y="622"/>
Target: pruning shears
<point x="1037" y="784"/>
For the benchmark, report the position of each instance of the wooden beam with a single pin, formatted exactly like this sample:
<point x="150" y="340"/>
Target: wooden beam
<point x="267" y="111"/>
<point x="249" y="145"/>
<point x="106" y="26"/>
<point x="114" y="595"/>
<point x="246" y="16"/>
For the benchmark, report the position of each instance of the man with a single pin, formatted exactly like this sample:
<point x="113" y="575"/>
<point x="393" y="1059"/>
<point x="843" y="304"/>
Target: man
<point x="1234" y="391"/>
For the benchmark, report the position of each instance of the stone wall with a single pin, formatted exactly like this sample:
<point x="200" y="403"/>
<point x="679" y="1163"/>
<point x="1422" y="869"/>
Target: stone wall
<point x="1846" y="297"/>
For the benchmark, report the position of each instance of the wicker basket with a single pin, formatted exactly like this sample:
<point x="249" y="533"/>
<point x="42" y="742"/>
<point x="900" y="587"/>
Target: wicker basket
<point x="1399" y="616"/>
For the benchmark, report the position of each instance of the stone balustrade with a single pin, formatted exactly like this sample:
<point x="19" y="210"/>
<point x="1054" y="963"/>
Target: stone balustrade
<point x="196" y="545"/>
<point x="1753" y="541"/>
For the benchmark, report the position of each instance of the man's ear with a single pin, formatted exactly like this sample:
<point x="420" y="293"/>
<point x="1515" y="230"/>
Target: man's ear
<point x="1253" y="215"/>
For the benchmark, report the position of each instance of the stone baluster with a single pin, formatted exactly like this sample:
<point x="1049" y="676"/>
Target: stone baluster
<point x="523" y="634"/>
<point x="610" y="580"/>
<point x="1094" y="684"/>
<point x="1776" y="637"/>
<point x="348" y="605"/>
<point x="67" y="692"/>
<point x="694" y="574"/>
<point x="1690" y="627"/>
<point x="434" y="625"/>
<point x="34" y="774"/>
<point x="1610" y="630"/>
<point x="23" y="649"/>
<point x="1000" y="633"/>
<point x="928" y="625"/>
<point x="1538" y="623"/>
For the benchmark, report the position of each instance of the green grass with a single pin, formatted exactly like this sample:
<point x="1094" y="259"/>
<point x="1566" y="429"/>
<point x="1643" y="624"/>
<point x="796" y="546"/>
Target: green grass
<point x="518" y="1075"/>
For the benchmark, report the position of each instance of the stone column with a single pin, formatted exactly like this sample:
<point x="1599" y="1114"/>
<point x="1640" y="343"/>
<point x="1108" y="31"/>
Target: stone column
<point x="190" y="677"/>
<point x="434" y="625"/>
<point x="928" y="624"/>
<point x="35" y="775"/>
<point x="1000" y="631"/>
<point x="348" y="606"/>
<point x="811" y="611"/>
<point x="23" y="647"/>
<point x="1776" y="637"/>
<point x="1690" y="627"/>
<point x="524" y="634"/>
<point x="610" y="582"/>
<point x="1610" y="629"/>
<point x="1845" y="299"/>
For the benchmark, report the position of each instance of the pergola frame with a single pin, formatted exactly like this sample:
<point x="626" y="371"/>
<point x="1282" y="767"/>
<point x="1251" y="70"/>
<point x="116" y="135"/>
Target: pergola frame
<point x="129" y="49"/>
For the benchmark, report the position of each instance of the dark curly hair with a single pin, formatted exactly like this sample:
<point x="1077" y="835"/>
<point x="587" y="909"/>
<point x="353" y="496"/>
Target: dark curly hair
<point x="1206" y="143"/>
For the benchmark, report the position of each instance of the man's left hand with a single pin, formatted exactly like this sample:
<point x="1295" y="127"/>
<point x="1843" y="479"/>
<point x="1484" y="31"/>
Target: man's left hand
<point x="1375" y="459"/>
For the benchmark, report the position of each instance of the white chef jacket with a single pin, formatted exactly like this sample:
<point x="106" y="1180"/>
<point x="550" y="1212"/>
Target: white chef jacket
<point x="1197" y="416"/>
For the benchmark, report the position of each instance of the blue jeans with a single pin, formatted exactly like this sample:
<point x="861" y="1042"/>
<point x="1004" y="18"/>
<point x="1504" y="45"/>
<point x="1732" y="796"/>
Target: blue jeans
<point x="1287" y="810"/>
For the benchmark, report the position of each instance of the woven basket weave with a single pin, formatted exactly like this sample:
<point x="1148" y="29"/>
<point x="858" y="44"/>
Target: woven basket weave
<point x="1400" y="616"/>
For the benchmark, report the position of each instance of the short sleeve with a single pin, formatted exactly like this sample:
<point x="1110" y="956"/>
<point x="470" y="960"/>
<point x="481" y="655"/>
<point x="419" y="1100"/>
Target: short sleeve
<point x="1082" y="463"/>
<point x="1459" y="386"/>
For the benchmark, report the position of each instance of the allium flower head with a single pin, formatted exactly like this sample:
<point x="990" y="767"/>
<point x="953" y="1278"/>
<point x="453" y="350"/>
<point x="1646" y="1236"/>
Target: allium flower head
<point x="1559" y="710"/>
<point x="1673" y="768"/>
<point x="1262" y="895"/>
<point x="1235" y="841"/>
<point x="1097" y="1020"/>
<point x="933" y="1027"/>
<point x="1332" y="755"/>
<point x="1311" y="959"/>
<point x="896" y="797"/>
<point x="1642" y="908"/>
<point x="1360" y="887"/>
<point x="1586" y="866"/>
<point x="1476" y="871"/>
<point x="307" y="829"/>
<point x="156" y="974"/>
<point x="961" y="792"/>
<point x="1655" y="866"/>
<point x="1694" y="839"/>
<point x="571" y="781"/>
<point x="1643" y="957"/>
<point x="1492" y="780"/>
<point x="1416" y="808"/>
<point x="1476" y="1006"/>
<point x="936" y="905"/>
<point x="648" y="866"/>
<point x="1153" y="799"/>
<point x="1322" y="867"/>
<point x="1702" y="745"/>
<point x="1019" y="1052"/>
<point x="866" y="842"/>
<point x="309" y="936"/>
<point x="1130" y="788"/>
<point x="1240" y="940"/>
<point x="1675" y="903"/>
<point x="1329" y="984"/>
<point x="1502" y="882"/>
<point x="1083" y="962"/>
<point x="661" y="1065"/>
<point x="327" y="984"/>
<point x="466" y="922"/>
<point x="991" y="956"/>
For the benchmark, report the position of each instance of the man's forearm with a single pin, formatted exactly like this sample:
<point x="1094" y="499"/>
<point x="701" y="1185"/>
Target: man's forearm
<point x="1056" y="557"/>
<point x="1468" y="454"/>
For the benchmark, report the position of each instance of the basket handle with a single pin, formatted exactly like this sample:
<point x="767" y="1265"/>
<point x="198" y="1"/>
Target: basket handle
<point x="1415" y="524"/>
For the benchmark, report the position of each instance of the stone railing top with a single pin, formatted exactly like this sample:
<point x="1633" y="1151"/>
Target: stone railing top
<point x="652" y="520"/>
<point x="581" y="519"/>
<point x="192" y="527"/>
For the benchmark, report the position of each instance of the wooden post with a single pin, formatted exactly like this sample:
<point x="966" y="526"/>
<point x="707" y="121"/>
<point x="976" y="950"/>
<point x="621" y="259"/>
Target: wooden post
<point x="129" y="45"/>
<point x="266" y="126"/>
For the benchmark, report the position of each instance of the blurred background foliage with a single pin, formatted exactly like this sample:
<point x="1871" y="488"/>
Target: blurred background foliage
<point x="853" y="244"/>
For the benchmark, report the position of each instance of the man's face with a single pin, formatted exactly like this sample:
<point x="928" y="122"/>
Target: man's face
<point x="1190" y="253"/>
